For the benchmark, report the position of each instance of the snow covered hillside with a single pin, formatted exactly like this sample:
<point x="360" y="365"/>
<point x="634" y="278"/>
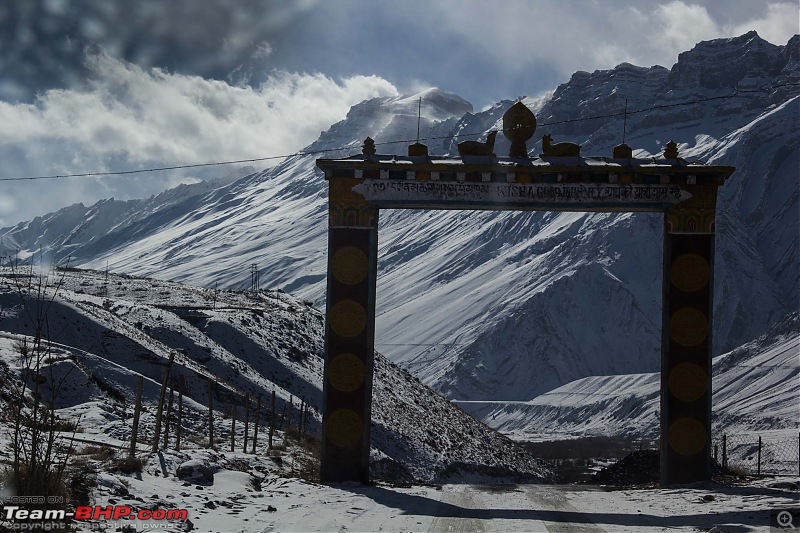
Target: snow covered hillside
<point x="522" y="302"/>
<point x="756" y="387"/>
<point x="109" y="332"/>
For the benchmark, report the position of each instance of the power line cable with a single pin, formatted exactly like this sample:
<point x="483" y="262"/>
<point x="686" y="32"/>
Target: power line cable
<point x="625" y="113"/>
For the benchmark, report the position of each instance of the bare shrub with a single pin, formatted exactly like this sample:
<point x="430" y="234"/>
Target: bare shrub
<point x="82" y="480"/>
<point x="129" y="465"/>
<point x="38" y="449"/>
<point x="99" y="452"/>
<point x="307" y="461"/>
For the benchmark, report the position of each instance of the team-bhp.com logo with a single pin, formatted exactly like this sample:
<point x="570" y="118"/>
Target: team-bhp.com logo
<point x="16" y="516"/>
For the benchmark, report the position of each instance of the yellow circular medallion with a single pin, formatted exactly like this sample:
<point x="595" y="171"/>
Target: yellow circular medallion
<point x="349" y="265"/>
<point x="688" y="382"/>
<point x="348" y="318"/>
<point x="690" y="272"/>
<point x="346" y="372"/>
<point x="344" y="428"/>
<point x="688" y="326"/>
<point x="687" y="436"/>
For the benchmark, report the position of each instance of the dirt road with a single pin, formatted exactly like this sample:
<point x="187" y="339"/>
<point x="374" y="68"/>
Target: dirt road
<point x="545" y="508"/>
<point x="351" y="508"/>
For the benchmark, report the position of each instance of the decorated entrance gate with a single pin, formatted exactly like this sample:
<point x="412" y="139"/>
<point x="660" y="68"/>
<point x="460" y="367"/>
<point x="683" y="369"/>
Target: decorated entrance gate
<point x="558" y="180"/>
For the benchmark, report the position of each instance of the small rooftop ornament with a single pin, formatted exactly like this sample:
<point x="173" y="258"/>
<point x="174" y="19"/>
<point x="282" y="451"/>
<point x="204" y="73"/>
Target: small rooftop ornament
<point x="478" y="148"/>
<point x="562" y="149"/>
<point x="671" y="150"/>
<point x="519" y="125"/>
<point x="369" y="147"/>
<point x="622" y="151"/>
<point x="417" y="149"/>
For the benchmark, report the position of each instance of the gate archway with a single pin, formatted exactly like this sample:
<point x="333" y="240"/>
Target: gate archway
<point x="559" y="180"/>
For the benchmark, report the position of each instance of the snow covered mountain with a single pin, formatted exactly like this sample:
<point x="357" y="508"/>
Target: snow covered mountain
<point x="521" y="303"/>
<point x="756" y="387"/>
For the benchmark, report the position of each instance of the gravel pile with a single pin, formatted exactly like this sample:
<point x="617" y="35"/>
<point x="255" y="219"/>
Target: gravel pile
<point x="637" y="468"/>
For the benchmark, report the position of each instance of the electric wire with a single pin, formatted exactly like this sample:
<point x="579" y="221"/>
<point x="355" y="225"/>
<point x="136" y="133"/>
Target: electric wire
<point x="736" y="93"/>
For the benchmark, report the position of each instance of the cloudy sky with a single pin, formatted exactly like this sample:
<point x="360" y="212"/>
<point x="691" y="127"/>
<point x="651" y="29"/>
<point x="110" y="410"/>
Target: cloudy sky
<point x="106" y="85"/>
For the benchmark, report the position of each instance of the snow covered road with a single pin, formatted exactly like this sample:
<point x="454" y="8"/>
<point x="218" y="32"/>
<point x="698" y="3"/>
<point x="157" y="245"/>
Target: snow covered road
<point x="523" y="508"/>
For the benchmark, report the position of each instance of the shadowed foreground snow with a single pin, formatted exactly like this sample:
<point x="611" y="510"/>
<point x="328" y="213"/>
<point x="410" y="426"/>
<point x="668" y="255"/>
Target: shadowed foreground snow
<point x="301" y="506"/>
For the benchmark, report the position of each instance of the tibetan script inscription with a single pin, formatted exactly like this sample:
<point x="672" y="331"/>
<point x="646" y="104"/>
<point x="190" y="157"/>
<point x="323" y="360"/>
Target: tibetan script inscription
<point x="390" y="192"/>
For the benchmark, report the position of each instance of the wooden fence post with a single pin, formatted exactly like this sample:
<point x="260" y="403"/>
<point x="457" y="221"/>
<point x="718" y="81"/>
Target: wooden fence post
<point x="300" y="418"/>
<point x="169" y="413"/>
<point x="246" y="420"/>
<point x="136" y="411"/>
<point x="257" y="420"/>
<point x="179" y="429"/>
<point x="758" y="472"/>
<point x="233" y="426"/>
<point x="725" y="451"/>
<point x="210" y="416"/>
<point x="160" y="410"/>
<point x="289" y="418"/>
<point x="305" y="420"/>
<point x="272" y="421"/>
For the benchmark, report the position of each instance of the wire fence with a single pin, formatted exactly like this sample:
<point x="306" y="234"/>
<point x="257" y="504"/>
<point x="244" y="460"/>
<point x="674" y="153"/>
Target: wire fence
<point x="754" y="454"/>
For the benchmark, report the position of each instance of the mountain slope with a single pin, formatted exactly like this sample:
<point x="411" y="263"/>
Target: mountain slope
<point x="756" y="387"/>
<point x="110" y="331"/>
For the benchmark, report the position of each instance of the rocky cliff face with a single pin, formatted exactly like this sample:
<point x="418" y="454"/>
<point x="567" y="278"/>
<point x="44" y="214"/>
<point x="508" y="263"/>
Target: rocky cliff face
<point x="507" y="305"/>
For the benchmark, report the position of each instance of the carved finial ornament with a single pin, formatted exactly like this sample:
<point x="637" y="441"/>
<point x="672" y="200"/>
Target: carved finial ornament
<point x="369" y="147"/>
<point x="671" y="150"/>
<point x="519" y="125"/>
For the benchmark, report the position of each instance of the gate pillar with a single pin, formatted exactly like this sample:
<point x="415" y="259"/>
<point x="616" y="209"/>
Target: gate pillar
<point x="349" y="334"/>
<point x="686" y="338"/>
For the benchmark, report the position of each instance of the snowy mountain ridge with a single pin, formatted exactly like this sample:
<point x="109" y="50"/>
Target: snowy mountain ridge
<point x="523" y="302"/>
<point x="108" y="331"/>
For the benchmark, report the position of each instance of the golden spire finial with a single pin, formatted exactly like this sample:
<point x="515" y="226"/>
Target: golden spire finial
<point x="519" y="125"/>
<point x="369" y="147"/>
<point x="671" y="150"/>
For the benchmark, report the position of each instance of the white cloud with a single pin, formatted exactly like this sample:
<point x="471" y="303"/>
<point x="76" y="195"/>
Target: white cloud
<point x="679" y="26"/>
<point x="263" y="50"/>
<point x="572" y="35"/>
<point x="128" y="117"/>
<point x="777" y="25"/>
